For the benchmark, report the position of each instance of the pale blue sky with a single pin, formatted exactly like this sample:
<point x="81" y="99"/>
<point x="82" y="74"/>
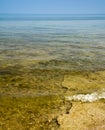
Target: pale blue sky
<point x="53" y="6"/>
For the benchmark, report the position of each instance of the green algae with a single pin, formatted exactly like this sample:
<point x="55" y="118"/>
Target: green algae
<point x="27" y="112"/>
<point x="15" y="80"/>
<point x="29" y="97"/>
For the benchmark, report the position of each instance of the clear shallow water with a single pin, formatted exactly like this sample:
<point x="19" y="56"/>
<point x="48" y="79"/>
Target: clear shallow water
<point x="33" y="50"/>
<point x="74" y="42"/>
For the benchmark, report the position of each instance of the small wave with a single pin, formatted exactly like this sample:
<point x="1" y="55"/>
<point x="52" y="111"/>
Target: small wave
<point x="87" y="97"/>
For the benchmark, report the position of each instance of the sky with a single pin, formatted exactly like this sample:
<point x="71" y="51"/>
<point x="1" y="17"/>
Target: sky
<point x="53" y="6"/>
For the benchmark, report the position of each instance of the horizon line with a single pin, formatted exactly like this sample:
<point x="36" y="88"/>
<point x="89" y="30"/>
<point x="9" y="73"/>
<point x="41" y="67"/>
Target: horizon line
<point x="59" y="13"/>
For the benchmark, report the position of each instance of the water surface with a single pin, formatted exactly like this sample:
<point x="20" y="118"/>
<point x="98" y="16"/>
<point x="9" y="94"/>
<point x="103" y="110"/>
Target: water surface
<point x="72" y="41"/>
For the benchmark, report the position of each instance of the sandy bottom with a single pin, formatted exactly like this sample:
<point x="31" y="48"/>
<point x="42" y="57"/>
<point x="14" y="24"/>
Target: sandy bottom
<point x="86" y="93"/>
<point x="84" y="116"/>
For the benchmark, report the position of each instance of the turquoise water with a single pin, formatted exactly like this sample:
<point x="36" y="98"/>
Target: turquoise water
<point x="74" y="42"/>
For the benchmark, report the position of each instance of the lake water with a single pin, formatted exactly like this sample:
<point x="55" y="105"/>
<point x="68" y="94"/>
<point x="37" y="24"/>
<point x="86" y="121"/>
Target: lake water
<point x="48" y="62"/>
<point x="72" y="41"/>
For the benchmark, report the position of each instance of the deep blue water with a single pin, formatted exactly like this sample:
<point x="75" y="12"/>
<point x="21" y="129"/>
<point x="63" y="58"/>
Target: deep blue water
<point x="52" y="17"/>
